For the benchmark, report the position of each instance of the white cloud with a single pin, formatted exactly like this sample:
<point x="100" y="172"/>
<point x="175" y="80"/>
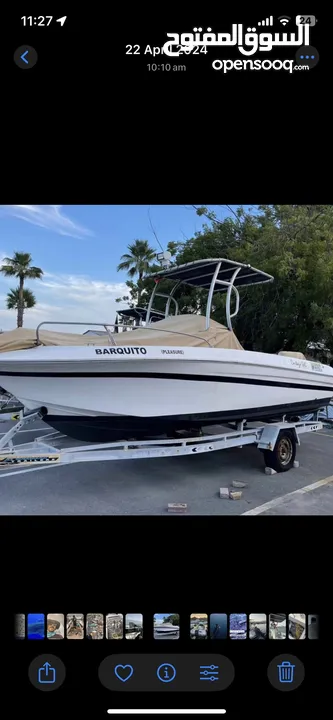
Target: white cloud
<point x="50" y="217"/>
<point x="67" y="298"/>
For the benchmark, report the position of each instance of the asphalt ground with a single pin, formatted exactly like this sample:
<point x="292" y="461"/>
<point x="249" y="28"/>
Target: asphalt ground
<point x="147" y="486"/>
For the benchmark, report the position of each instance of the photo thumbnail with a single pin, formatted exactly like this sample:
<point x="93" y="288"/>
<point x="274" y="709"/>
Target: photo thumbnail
<point x="19" y="626"/>
<point x="277" y="626"/>
<point x="133" y="626"/>
<point x="238" y="626"/>
<point x="36" y="626"/>
<point x="296" y="626"/>
<point x="55" y="627"/>
<point x="166" y="626"/>
<point x="75" y="626"/>
<point x="258" y="626"/>
<point x="94" y="626"/>
<point x="198" y="626"/>
<point x="114" y="626"/>
<point x="218" y="626"/>
<point x="313" y="627"/>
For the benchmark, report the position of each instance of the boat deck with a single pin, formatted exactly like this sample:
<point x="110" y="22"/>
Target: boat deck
<point x="146" y="487"/>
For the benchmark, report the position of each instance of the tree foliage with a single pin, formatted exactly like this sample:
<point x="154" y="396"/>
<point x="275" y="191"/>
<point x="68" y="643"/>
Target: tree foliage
<point x="294" y="243"/>
<point x="13" y="299"/>
<point x="141" y="261"/>
<point x="171" y="620"/>
<point x="20" y="266"/>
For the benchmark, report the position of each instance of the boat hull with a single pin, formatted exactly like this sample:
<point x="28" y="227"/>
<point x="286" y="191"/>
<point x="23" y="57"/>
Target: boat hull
<point x="106" y="394"/>
<point x="122" y="427"/>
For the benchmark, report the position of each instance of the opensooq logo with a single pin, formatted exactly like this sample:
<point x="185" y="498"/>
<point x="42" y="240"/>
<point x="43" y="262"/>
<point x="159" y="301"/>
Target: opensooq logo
<point x="250" y="40"/>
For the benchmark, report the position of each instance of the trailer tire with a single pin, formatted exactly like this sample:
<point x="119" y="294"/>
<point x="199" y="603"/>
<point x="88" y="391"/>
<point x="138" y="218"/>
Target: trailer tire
<point x="282" y="457"/>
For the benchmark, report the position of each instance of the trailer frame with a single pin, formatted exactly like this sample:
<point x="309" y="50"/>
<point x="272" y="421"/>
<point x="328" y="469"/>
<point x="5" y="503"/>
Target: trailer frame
<point x="43" y="450"/>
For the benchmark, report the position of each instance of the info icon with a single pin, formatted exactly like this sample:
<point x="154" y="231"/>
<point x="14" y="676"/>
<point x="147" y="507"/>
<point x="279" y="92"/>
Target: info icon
<point x="166" y="672"/>
<point x="307" y="55"/>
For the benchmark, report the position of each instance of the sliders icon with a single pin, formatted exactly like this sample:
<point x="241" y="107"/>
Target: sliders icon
<point x="209" y="672"/>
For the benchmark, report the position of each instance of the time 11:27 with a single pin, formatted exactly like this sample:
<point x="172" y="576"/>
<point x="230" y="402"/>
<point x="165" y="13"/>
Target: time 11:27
<point x="40" y="20"/>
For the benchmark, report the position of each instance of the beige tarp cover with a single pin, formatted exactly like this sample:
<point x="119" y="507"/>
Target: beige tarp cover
<point x="291" y="353"/>
<point x="191" y="325"/>
<point x="217" y="335"/>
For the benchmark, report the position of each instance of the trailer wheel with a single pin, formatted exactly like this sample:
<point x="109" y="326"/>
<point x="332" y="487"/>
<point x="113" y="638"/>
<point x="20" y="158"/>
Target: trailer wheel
<point x="282" y="457"/>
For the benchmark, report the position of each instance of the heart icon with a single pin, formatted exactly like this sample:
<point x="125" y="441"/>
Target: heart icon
<point x="123" y="672"/>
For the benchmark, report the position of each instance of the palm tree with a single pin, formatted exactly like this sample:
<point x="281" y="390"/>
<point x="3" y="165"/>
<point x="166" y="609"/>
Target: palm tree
<point x="29" y="300"/>
<point x="136" y="262"/>
<point x="20" y="266"/>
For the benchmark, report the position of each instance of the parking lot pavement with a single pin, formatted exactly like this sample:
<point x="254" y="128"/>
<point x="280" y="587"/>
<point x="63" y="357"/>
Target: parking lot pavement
<point x="147" y="486"/>
<point x="315" y="499"/>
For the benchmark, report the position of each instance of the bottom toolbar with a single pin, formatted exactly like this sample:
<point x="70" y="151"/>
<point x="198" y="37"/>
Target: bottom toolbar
<point x="166" y="673"/>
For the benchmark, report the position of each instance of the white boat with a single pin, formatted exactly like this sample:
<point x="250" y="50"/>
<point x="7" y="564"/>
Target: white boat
<point x="166" y="630"/>
<point x="179" y="373"/>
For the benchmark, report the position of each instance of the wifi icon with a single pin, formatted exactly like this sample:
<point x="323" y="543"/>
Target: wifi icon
<point x="284" y="19"/>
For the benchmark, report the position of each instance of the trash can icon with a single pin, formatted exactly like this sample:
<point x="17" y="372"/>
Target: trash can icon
<point x="286" y="672"/>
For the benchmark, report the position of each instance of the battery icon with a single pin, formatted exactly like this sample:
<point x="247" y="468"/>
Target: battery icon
<point x="306" y="20"/>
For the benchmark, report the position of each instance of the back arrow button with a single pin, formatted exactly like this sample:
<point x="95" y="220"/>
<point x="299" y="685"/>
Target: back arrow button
<point x="25" y="57"/>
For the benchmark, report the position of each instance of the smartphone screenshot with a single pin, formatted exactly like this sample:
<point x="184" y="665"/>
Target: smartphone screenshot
<point x="166" y="362"/>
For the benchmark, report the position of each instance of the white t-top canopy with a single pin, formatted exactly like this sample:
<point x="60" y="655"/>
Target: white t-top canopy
<point x="213" y="274"/>
<point x="200" y="273"/>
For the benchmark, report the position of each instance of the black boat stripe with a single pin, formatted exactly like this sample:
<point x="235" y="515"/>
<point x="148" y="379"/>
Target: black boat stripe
<point x="305" y="406"/>
<point x="173" y="376"/>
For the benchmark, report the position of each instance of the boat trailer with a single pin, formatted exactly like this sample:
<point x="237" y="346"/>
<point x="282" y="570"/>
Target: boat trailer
<point x="277" y="441"/>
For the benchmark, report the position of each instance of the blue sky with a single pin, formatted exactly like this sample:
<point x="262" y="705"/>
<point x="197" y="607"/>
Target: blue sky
<point x="79" y="247"/>
<point x="159" y="617"/>
<point x="134" y="618"/>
